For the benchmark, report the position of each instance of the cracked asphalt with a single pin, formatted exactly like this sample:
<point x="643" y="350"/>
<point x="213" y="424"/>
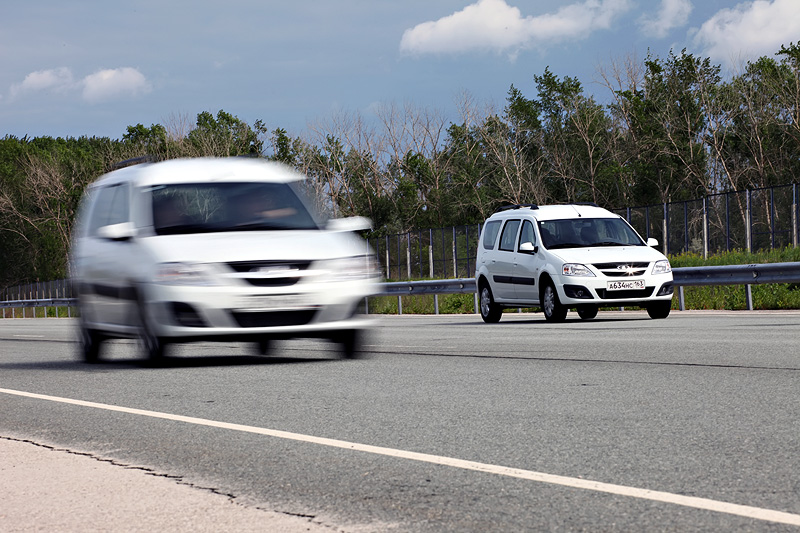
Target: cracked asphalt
<point x="50" y="489"/>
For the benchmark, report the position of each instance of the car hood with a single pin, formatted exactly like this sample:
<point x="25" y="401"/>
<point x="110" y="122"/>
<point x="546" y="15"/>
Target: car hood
<point x="608" y="254"/>
<point x="254" y="246"/>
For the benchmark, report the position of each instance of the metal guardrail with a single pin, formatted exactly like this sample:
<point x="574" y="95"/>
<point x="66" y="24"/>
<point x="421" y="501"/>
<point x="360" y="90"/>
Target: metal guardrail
<point x="746" y="275"/>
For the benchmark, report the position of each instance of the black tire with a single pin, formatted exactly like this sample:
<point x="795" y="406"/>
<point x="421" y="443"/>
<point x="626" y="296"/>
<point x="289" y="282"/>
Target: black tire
<point x="490" y="311"/>
<point x="551" y="305"/>
<point x="90" y="341"/>
<point x="152" y="345"/>
<point x="587" y="312"/>
<point x="264" y="346"/>
<point x="349" y="342"/>
<point x="659" y="309"/>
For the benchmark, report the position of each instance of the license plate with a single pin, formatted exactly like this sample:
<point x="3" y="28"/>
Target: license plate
<point x="272" y="301"/>
<point x="626" y="285"/>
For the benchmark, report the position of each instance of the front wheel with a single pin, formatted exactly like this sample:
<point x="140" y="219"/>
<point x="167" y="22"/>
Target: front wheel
<point x="349" y="342"/>
<point x="659" y="309"/>
<point x="90" y="341"/>
<point x="551" y="305"/>
<point x="153" y="345"/>
<point x="587" y="312"/>
<point x="490" y="311"/>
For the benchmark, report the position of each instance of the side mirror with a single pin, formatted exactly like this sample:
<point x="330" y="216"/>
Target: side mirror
<point x="652" y="243"/>
<point x="117" y="232"/>
<point x="349" y="224"/>
<point x="528" y="248"/>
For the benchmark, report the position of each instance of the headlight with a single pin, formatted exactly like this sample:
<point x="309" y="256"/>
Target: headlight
<point x="662" y="267"/>
<point x="351" y="268"/>
<point x="183" y="274"/>
<point x="576" y="269"/>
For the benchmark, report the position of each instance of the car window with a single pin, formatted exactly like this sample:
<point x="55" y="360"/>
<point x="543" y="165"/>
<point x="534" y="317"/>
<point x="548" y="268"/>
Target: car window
<point x="509" y="235"/>
<point x="110" y="207"/>
<point x="490" y="231"/>
<point x="526" y="234"/>
<point x="587" y="232"/>
<point x="216" y="207"/>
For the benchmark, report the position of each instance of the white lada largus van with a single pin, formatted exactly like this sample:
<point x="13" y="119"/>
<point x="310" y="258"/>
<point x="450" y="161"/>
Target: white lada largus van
<point x="215" y="249"/>
<point x="561" y="257"/>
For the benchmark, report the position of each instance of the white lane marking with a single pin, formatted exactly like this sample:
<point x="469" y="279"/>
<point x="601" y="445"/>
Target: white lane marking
<point x="597" y="486"/>
<point x="28" y="336"/>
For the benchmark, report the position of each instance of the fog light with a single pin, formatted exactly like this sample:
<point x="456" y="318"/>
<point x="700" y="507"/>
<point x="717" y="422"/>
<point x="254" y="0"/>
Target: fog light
<point x="666" y="289"/>
<point x="578" y="292"/>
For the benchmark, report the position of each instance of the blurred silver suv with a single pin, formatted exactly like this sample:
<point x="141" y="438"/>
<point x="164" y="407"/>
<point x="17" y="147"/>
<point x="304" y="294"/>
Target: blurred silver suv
<point x="215" y="249"/>
<point x="574" y="256"/>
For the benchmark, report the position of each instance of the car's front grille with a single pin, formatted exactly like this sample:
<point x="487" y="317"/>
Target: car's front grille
<point x="263" y="319"/>
<point x="625" y="295"/>
<point x="618" y="270"/>
<point x="270" y="273"/>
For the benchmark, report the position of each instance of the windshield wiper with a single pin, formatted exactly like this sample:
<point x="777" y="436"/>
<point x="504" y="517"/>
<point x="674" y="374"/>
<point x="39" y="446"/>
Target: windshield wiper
<point x="608" y="243"/>
<point x="565" y="245"/>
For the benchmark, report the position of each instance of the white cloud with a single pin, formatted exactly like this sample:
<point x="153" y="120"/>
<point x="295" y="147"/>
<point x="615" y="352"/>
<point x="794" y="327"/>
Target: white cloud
<point x="750" y="30"/>
<point x="114" y="84"/>
<point x="494" y="25"/>
<point x="103" y="85"/>
<point x="673" y="14"/>
<point x="54" y="80"/>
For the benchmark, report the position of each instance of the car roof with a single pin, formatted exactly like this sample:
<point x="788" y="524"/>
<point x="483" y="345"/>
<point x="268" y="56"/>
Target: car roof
<point x="554" y="212"/>
<point x="202" y="170"/>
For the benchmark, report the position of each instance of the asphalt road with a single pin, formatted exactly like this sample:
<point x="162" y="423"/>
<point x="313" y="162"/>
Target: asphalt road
<point x="621" y="423"/>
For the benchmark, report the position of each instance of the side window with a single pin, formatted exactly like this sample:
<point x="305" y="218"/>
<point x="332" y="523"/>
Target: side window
<point x="110" y="207"/>
<point x="527" y="234"/>
<point x="509" y="235"/>
<point x="490" y="231"/>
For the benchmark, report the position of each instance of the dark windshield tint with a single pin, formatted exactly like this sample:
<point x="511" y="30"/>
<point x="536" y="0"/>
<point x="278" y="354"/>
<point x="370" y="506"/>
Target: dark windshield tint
<point x="587" y="232"/>
<point x="215" y="207"/>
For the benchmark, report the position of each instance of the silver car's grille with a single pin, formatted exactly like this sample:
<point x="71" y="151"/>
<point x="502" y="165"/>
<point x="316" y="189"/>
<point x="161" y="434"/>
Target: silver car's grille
<point x="618" y="270"/>
<point x="270" y="273"/>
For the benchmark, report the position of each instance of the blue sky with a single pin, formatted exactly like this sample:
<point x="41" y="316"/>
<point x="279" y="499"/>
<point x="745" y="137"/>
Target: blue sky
<point x="95" y="67"/>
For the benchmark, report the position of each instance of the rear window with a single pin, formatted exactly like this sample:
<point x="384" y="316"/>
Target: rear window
<point x="490" y="231"/>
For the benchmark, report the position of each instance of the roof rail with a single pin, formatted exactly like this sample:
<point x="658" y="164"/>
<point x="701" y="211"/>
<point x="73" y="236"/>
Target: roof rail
<point x="133" y="161"/>
<point x="516" y="206"/>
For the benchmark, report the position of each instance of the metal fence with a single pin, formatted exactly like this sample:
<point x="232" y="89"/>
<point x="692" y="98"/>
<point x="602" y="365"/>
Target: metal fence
<point x="439" y="253"/>
<point x="49" y="296"/>
<point x="750" y="220"/>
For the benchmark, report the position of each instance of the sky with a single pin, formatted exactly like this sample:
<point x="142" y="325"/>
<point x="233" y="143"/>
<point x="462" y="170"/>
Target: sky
<point x="93" y="67"/>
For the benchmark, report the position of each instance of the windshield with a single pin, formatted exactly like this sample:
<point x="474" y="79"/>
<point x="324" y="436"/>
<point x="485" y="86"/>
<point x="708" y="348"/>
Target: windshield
<point x="587" y="232"/>
<point x="216" y="207"/>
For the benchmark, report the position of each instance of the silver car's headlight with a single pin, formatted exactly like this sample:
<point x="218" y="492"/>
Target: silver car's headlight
<point x="351" y="268"/>
<point x="576" y="269"/>
<point x="662" y="267"/>
<point x="184" y="274"/>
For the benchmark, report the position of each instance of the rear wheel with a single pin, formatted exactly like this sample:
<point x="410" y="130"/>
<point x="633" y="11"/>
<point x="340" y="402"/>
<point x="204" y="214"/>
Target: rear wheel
<point x="587" y="312"/>
<point x="551" y="305"/>
<point x="659" y="309"/>
<point x="490" y="311"/>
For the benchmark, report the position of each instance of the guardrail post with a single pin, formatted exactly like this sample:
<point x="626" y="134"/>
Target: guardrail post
<point x="748" y="296"/>
<point x="681" y="300"/>
<point x="705" y="228"/>
<point x="794" y="215"/>
<point x="477" y="309"/>
<point x="399" y="305"/>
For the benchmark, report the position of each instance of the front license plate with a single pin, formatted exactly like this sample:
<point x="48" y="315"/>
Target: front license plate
<point x="626" y="285"/>
<point x="272" y="301"/>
